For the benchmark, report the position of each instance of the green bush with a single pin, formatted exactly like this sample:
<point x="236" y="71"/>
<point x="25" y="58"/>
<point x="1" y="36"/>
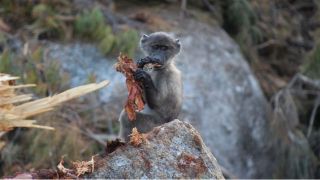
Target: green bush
<point x="107" y="41"/>
<point x="92" y="26"/>
<point x="127" y="42"/>
<point x="46" y="22"/>
<point x="312" y="67"/>
<point x="239" y="19"/>
<point x="237" y="16"/>
<point x="33" y="69"/>
<point x="6" y="64"/>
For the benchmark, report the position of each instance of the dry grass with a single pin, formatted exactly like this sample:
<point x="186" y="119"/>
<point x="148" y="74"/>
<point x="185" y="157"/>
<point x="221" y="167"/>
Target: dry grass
<point x="12" y="115"/>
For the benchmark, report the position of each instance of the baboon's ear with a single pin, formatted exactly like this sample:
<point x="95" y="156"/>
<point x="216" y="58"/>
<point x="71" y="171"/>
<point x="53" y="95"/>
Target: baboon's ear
<point x="178" y="42"/>
<point x="144" y="37"/>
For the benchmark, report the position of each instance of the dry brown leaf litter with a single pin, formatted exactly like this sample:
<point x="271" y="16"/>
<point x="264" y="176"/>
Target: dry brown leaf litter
<point x="79" y="168"/>
<point x="137" y="138"/>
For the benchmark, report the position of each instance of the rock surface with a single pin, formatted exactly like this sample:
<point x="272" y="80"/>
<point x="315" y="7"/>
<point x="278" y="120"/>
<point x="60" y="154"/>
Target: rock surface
<point x="173" y="150"/>
<point x="222" y="98"/>
<point x="224" y="101"/>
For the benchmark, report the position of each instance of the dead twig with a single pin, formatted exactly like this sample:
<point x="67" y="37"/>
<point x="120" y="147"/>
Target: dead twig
<point x="268" y="43"/>
<point x="209" y="6"/>
<point x="183" y="8"/>
<point x="313" y="115"/>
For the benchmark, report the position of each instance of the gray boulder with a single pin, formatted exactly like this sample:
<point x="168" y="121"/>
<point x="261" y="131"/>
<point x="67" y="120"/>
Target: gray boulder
<point x="224" y="101"/>
<point x="173" y="150"/>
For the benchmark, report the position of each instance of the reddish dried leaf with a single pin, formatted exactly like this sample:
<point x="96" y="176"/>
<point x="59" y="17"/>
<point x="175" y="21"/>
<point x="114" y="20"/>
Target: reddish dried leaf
<point x="134" y="102"/>
<point x="130" y="111"/>
<point x="139" y="102"/>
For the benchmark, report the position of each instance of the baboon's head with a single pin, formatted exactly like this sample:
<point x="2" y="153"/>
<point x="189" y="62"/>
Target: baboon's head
<point x="160" y="45"/>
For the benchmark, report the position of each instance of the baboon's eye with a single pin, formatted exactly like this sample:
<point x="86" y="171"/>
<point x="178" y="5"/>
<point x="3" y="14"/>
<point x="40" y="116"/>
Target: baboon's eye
<point x="155" y="47"/>
<point x="160" y="47"/>
<point x="164" y="48"/>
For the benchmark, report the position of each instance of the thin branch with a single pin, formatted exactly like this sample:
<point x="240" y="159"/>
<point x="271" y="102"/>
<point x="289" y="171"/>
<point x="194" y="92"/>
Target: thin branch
<point x="208" y="5"/>
<point x="313" y="115"/>
<point x="183" y="8"/>
<point x="267" y="44"/>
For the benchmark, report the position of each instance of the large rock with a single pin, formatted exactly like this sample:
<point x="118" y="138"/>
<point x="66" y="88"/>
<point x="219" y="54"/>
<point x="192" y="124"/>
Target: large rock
<point x="173" y="150"/>
<point x="224" y="101"/>
<point x="222" y="98"/>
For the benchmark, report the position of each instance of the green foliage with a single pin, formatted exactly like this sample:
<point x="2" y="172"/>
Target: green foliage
<point x="91" y="78"/>
<point x="92" y="26"/>
<point x="46" y="22"/>
<point x="46" y="74"/>
<point x="107" y="41"/>
<point x="17" y="12"/>
<point x="255" y="34"/>
<point x="53" y="77"/>
<point x="34" y="69"/>
<point x="239" y="19"/>
<point x="127" y="42"/>
<point x="312" y="66"/>
<point x="2" y="38"/>
<point x="41" y="11"/>
<point x="237" y="15"/>
<point x="6" y="64"/>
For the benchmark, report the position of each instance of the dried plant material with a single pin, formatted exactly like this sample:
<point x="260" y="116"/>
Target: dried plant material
<point x="82" y="167"/>
<point x="4" y="26"/>
<point x="12" y="115"/>
<point x="48" y="103"/>
<point x="2" y="144"/>
<point x="65" y="172"/>
<point x="6" y="77"/>
<point x="15" y="99"/>
<point x="134" y="102"/>
<point x="79" y="168"/>
<point x="137" y="138"/>
<point x="62" y="168"/>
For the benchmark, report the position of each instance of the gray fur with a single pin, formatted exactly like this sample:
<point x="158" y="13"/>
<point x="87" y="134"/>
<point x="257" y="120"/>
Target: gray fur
<point x="162" y="86"/>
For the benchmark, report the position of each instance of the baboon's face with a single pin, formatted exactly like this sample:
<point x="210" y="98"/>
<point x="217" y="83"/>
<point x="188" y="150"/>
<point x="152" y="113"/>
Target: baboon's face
<point x="160" y="45"/>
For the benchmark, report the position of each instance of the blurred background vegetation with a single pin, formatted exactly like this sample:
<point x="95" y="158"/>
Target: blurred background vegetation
<point x="279" y="38"/>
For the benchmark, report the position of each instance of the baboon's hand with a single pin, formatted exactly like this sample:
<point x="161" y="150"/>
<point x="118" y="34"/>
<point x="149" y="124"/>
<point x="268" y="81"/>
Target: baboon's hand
<point x="147" y="60"/>
<point x="142" y="76"/>
<point x="143" y="61"/>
